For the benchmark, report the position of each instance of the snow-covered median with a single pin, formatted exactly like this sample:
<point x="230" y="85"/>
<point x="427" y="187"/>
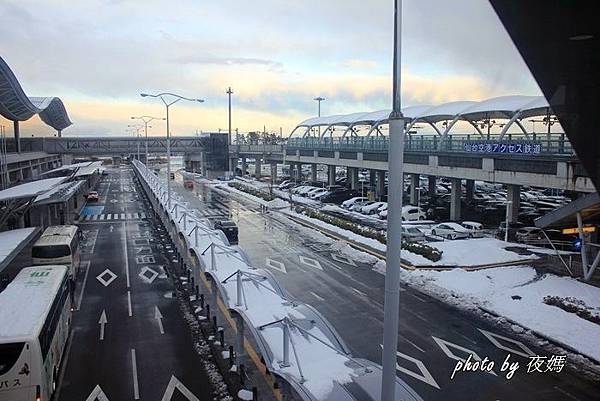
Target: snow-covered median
<point x="518" y="293"/>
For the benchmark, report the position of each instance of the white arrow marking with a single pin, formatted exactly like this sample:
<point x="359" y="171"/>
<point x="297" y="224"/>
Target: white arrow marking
<point x="97" y="394"/>
<point x="102" y="322"/>
<point x="158" y="316"/>
<point x="111" y="228"/>
<point x="176" y="384"/>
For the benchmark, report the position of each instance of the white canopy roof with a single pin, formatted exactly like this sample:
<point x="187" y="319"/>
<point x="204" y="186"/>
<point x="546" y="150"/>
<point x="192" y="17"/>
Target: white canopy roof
<point x="498" y="107"/>
<point x="31" y="189"/>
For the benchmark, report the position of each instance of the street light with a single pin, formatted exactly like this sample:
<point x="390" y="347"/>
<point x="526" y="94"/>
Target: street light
<point x="163" y="96"/>
<point x="146" y="120"/>
<point x="229" y="92"/>
<point x="319" y="99"/>
<point x="137" y="128"/>
<point x="395" y="189"/>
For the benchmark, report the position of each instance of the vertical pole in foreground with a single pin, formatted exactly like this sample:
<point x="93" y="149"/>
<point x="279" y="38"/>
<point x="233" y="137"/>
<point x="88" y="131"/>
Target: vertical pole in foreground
<point x="392" y="276"/>
<point x="229" y="93"/>
<point x="168" y="160"/>
<point x="146" y="132"/>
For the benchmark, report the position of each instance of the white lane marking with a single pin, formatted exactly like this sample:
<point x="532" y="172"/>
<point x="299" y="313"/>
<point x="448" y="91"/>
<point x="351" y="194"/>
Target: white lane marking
<point x="571" y="396"/>
<point x="310" y="262"/>
<point x="106" y="283"/>
<point x="129" y="303"/>
<point x="343" y="259"/>
<point x="136" y="389"/>
<point x="174" y="383"/>
<point x="418" y="297"/>
<point x="102" y="322"/>
<point x="87" y="270"/>
<point x="424" y="376"/>
<point x="413" y="344"/>
<point x="421" y="317"/>
<point x="275" y="264"/>
<point x="97" y="394"/>
<point x="446" y="345"/>
<point x="493" y="337"/>
<point x="359" y="292"/>
<point x="317" y="296"/>
<point x="158" y="316"/>
<point x="124" y="241"/>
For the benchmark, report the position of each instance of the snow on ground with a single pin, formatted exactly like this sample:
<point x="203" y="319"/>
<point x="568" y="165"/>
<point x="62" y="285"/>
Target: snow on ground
<point x="494" y="289"/>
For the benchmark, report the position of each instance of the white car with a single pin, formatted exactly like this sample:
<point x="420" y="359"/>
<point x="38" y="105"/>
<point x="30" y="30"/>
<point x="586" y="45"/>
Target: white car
<point x="298" y="188"/>
<point x="383" y="214"/>
<point x="450" y="231"/>
<point x="373" y="208"/>
<point x="311" y="191"/>
<point x="318" y="193"/>
<point x="347" y="204"/>
<point x="305" y="189"/>
<point x="357" y="206"/>
<point x="474" y="227"/>
<point x="412" y="213"/>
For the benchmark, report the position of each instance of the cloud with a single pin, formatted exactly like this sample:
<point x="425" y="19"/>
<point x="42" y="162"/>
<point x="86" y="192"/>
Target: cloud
<point x="359" y="64"/>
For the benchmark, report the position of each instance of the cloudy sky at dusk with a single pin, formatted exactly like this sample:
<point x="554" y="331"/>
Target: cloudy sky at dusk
<point x="277" y="55"/>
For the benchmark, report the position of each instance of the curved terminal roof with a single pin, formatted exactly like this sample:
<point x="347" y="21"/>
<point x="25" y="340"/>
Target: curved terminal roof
<point x="15" y="105"/>
<point x="497" y="107"/>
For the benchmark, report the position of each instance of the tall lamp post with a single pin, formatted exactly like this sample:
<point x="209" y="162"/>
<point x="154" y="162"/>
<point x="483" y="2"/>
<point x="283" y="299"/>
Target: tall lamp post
<point x="396" y="169"/>
<point x="137" y="128"/>
<point x="168" y="100"/>
<point x="229" y="92"/>
<point x="146" y="120"/>
<point x="319" y="99"/>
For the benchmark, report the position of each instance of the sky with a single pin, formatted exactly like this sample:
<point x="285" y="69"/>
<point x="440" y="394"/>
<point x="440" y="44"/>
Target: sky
<point x="277" y="55"/>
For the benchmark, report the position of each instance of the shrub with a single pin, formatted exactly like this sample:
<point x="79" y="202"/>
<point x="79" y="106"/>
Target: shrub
<point x="251" y="190"/>
<point x="572" y="305"/>
<point x="424" y="250"/>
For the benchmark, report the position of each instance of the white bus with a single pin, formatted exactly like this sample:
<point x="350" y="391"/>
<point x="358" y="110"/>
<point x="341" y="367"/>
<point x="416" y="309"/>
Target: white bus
<point x="35" y="321"/>
<point x="58" y="245"/>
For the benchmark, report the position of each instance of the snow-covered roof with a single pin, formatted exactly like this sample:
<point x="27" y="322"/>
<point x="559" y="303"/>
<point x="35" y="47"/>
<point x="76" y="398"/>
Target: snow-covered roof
<point x="497" y="107"/>
<point x="12" y="241"/>
<point x="15" y="105"/>
<point x="59" y="193"/>
<point x="27" y="300"/>
<point x="31" y="189"/>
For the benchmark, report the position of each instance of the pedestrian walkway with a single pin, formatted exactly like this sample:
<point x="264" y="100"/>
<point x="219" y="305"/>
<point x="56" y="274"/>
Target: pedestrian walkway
<point x="113" y="216"/>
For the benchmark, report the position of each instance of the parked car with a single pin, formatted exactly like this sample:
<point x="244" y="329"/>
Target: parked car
<point x="350" y="202"/>
<point x="93" y="196"/>
<point x="412" y="213"/>
<point x="286" y="184"/>
<point x="475" y="228"/>
<point x="450" y="231"/>
<point x="373" y="208"/>
<point x="412" y="233"/>
<point x="357" y="206"/>
<point x="229" y="228"/>
<point x="318" y="193"/>
<point x="339" y="195"/>
<point x="527" y="234"/>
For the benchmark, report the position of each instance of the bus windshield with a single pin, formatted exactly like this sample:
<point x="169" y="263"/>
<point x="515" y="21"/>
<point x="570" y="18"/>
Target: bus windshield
<point x="9" y="354"/>
<point x="50" y="251"/>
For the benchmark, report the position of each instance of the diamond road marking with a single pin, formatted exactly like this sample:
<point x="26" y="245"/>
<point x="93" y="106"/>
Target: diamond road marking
<point x="174" y="383"/>
<point x="274" y="264"/>
<point x="445" y="344"/>
<point x="343" y="259"/>
<point x="310" y="262"/>
<point x="425" y="376"/>
<point x="524" y="351"/>
<point x="148" y="278"/>
<point x="103" y="281"/>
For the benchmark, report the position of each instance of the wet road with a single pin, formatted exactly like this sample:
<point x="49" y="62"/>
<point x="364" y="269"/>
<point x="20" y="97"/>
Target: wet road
<point x="129" y="339"/>
<point x="433" y="336"/>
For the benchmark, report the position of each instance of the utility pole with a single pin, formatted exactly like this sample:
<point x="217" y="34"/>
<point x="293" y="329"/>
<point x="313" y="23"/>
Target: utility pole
<point x="229" y="92"/>
<point x="319" y="99"/>
<point x="396" y="187"/>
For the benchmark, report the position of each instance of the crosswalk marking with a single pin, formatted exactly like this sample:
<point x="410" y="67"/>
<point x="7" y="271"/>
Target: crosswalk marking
<point x="109" y="216"/>
<point x="102" y="216"/>
<point x="95" y="217"/>
<point x="122" y="216"/>
<point x="113" y="216"/>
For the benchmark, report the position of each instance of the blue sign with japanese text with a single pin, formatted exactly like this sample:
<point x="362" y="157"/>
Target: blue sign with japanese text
<point x="526" y="148"/>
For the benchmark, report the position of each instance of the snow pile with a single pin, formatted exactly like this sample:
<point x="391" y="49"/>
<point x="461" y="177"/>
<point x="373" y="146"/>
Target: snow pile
<point x="475" y="251"/>
<point x="518" y="293"/>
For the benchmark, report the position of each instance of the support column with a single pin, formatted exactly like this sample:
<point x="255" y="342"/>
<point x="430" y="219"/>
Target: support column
<point x="353" y="176"/>
<point x="299" y="171"/>
<point x="513" y="194"/>
<point x="244" y="166"/>
<point x="380" y="188"/>
<point x="331" y="175"/>
<point x="470" y="189"/>
<point x="432" y="190"/>
<point x="414" y="188"/>
<point x="455" y="199"/>
<point x="17" y="133"/>
<point x="273" y="173"/>
<point x="313" y="171"/>
<point x="257" y="167"/>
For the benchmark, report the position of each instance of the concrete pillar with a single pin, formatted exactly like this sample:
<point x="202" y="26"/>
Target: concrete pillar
<point x="331" y="175"/>
<point x="372" y="178"/>
<point x="299" y="171"/>
<point x="273" y="173"/>
<point x="455" y="199"/>
<point x="513" y="194"/>
<point x="414" y="189"/>
<point x="244" y="166"/>
<point x="380" y="188"/>
<point x="432" y="190"/>
<point x="353" y="177"/>
<point x="17" y="132"/>
<point x="233" y="161"/>
<point x="470" y="189"/>
<point x="313" y="171"/>
<point x="257" y="167"/>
